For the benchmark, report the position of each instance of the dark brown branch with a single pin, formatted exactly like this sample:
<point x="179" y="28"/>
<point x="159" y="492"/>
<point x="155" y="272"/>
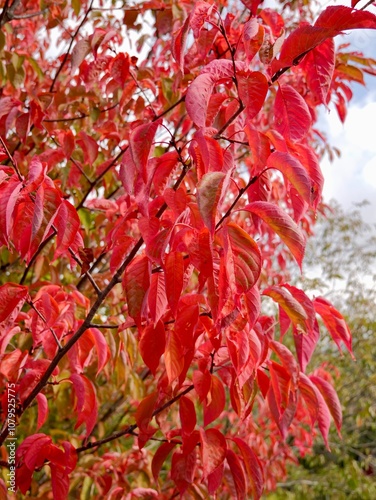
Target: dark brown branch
<point x="131" y="428"/>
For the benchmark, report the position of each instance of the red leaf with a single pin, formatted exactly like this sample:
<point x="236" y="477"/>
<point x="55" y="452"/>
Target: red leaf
<point x="323" y="416"/>
<point x="291" y="114"/>
<point x="67" y="224"/>
<point x="42" y="409"/>
<point x="282" y="224"/>
<point x="136" y="283"/>
<point x="244" y="258"/>
<point x="335" y="323"/>
<point x="202" y="383"/>
<point x="174" y="277"/>
<point x="213" y="450"/>
<point x="187" y="414"/>
<point x="12" y="297"/>
<point x="173" y="357"/>
<point x="86" y="405"/>
<point x="290" y="305"/>
<point x="253" y="304"/>
<point x="209" y="193"/>
<point x="253" y="467"/>
<point x="183" y="468"/>
<point x="319" y="66"/>
<point x="216" y="401"/>
<point x="140" y="143"/>
<point x="144" y="412"/>
<point x="157" y="299"/>
<point x="238" y="475"/>
<point x="339" y="18"/>
<point x="305" y="341"/>
<point x="159" y="458"/>
<point x="101" y="347"/>
<point x="295" y="173"/>
<point x="253" y="87"/>
<point x="152" y="345"/>
<point x="331" y="399"/>
<point x="59" y="482"/>
<point x="178" y="44"/>
<point x="120" y="68"/>
<point x="89" y="147"/>
<point x="197" y="98"/>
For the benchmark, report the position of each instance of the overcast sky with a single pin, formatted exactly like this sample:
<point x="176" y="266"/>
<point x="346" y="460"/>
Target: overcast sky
<point x="352" y="177"/>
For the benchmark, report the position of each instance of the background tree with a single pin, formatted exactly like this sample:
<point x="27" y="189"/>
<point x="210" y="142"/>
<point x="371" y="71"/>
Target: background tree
<point x="149" y="209"/>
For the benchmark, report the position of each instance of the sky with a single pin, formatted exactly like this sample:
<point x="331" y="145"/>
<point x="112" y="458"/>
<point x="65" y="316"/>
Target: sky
<point x="351" y="178"/>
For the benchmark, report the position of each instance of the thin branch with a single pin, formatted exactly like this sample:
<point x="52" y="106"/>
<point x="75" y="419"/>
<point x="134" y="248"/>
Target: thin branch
<point x="63" y="62"/>
<point x="33" y="258"/>
<point x="229" y="121"/>
<point x="11" y="159"/>
<point x="32" y="305"/>
<point x="28" y="16"/>
<point x="97" y="325"/>
<point x="94" y="183"/>
<point x="89" y="276"/>
<point x="131" y="428"/>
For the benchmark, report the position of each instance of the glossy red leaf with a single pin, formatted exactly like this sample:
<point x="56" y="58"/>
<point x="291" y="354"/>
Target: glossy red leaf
<point x="335" y="323"/>
<point x="291" y="114"/>
<point x="101" y="347"/>
<point x="12" y="297"/>
<point x="294" y="172"/>
<point x="152" y="345"/>
<point x="316" y="405"/>
<point x="238" y="474"/>
<point x="157" y="299"/>
<point x="160" y="457"/>
<point x="187" y="413"/>
<point x="213" y="450"/>
<point x="290" y="305"/>
<point x="178" y="44"/>
<point x="86" y="402"/>
<point x="339" y="18"/>
<point x="174" y="278"/>
<point x="173" y="356"/>
<point x="244" y="258"/>
<point x="67" y="224"/>
<point x="280" y="222"/>
<point x="120" y="68"/>
<point x="140" y="143"/>
<point x="42" y="410"/>
<point x="319" y="67"/>
<point x="136" y="282"/>
<point x="145" y="410"/>
<point x="252" y="466"/>
<point x="202" y="383"/>
<point x="215" y="401"/>
<point x="59" y="482"/>
<point x="331" y="399"/>
<point x="252" y="87"/>
<point x="306" y="339"/>
<point x="183" y="468"/>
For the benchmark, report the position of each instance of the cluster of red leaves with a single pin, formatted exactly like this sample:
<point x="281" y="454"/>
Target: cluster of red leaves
<point x="165" y="201"/>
